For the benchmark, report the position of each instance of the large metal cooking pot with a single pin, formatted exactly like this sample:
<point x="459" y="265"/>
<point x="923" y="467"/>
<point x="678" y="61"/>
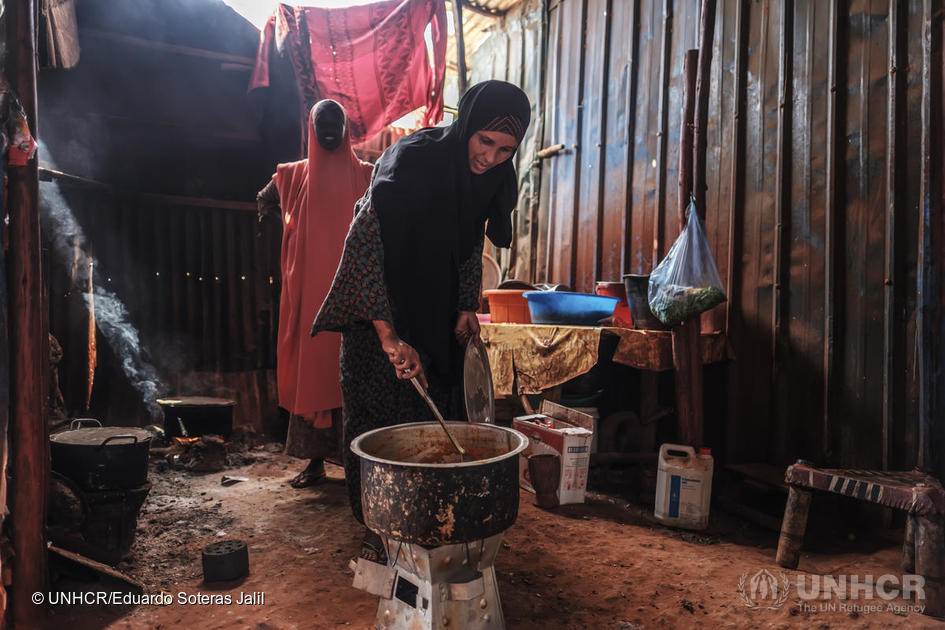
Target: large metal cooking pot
<point x="414" y="488"/>
<point x="101" y="458"/>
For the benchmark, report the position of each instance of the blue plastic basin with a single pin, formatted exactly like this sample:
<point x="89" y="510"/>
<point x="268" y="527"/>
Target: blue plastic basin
<point x="561" y="307"/>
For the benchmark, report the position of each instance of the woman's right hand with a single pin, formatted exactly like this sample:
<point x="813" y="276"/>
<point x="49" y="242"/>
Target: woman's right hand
<point x="402" y="356"/>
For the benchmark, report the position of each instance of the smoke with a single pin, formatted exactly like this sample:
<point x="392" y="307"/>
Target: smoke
<point x="69" y="246"/>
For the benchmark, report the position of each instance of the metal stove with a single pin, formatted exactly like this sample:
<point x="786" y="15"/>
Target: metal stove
<point x="448" y="587"/>
<point x="441" y="518"/>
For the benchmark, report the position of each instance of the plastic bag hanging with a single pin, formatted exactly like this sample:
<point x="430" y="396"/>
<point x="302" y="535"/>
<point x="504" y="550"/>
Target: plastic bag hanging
<point x="687" y="281"/>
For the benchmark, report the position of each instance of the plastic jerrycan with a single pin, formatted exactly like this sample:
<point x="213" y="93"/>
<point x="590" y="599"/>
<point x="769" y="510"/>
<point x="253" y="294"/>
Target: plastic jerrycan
<point x="683" y="486"/>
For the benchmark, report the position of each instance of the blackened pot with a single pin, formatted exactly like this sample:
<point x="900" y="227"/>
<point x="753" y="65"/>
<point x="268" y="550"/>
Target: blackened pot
<point x="415" y="489"/>
<point x="193" y="416"/>
<point x="101" y="458"/>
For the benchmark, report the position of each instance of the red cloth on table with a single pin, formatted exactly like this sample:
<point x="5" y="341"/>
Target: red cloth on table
<point x="370" y="58"/>
<point x="317" y="196"/>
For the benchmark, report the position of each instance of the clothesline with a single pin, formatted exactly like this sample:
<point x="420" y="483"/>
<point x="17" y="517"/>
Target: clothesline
<point x="372" y="59"/>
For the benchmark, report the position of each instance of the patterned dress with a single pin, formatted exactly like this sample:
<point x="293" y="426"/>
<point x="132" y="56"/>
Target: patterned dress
<point x="373" y="395"/>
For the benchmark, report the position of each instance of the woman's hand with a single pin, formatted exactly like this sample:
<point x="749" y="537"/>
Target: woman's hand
<point x="467" y="326"/>
<point x="403" y="357"/>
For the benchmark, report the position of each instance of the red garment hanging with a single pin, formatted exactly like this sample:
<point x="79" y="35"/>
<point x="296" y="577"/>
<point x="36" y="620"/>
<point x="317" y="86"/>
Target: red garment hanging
<point x="317" y="196"/>
<point x="370" y="58"/>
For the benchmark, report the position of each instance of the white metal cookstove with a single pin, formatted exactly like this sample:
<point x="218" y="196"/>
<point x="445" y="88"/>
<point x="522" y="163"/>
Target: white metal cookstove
<point x="450" y="587"/>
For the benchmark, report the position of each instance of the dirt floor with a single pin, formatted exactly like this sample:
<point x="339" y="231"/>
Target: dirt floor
<point x="599" y="565"/>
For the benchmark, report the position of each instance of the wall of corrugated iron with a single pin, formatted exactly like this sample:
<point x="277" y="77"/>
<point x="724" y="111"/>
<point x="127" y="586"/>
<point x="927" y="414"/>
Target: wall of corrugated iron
<point x="816" y="145"/>
<point x="166" y="156"/>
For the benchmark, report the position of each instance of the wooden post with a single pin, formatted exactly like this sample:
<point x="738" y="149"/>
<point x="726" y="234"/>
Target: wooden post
<point x="29" y="349"/>
<point x="687" y="361"/>
<point x="706" y="37"/>
<point x="908" y="545"/>
<point x="930" y="563"/>
<point x="793" y="526"/>
<point x="687" y="355"/>
<point x="686" y="134"/>
<point x="460" y="46"/>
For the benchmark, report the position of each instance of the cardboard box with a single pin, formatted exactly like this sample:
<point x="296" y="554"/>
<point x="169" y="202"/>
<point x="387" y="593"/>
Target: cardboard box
<point x="569" y="436"/>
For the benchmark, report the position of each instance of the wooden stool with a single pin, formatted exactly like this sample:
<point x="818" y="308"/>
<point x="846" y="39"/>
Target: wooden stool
<point x="919" y="495"/>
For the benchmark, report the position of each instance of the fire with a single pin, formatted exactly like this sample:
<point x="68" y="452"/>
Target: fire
<point x="186" y="441"/>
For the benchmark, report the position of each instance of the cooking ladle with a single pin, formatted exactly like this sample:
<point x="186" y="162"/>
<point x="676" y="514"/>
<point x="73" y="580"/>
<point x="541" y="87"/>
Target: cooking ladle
<point x="436" y="412"/>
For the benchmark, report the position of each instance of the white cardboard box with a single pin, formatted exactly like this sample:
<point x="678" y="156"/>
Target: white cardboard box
<point x="569" y="437"/>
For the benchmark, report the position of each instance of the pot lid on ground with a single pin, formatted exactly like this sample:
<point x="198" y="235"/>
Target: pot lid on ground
<point x="196" y="401"/>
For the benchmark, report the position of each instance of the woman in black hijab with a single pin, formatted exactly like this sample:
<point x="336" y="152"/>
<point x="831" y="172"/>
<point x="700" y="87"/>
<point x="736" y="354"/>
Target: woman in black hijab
<point x="407" y="289"/>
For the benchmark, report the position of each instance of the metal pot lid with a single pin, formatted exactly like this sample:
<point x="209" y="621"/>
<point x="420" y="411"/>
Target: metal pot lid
<point x="196" y="401"/>
<point x="102" y="436"/>
<point x="477" y="383"/>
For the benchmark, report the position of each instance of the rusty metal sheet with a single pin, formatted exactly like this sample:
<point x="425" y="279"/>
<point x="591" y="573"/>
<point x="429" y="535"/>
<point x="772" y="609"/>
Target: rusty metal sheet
<point x="803" y="213"/>
<point x="527" y="225"/>
<point x="683" y="37"/>
<point x="753" y="342"/>
<point x="721" y="149"/>
<point x="811" y="197"/>
<point x="593" y="109"/>
<point x="643" y="204"/>
<point x="861" y="251"/>
<point x="905" y="434"/>
<point x="545" y="225"/>
<point x="567" y="117"/>
<point x="617" y="130"/>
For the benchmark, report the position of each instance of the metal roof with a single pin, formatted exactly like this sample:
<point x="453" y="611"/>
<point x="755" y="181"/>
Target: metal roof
<point x="475" y="25"/>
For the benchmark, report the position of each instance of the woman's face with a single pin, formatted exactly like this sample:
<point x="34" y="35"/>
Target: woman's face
<point x="488" y="149"/>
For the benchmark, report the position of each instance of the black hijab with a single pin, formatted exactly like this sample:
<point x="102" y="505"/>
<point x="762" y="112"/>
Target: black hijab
<point x="432" y="209"/>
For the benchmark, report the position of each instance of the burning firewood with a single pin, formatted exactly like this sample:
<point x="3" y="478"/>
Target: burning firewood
<point x="198" y="454"/>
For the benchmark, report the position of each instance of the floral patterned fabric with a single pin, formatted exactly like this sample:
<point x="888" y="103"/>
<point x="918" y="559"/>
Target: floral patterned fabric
<point x="373" y="395"/>
<point x="470" y="279"/>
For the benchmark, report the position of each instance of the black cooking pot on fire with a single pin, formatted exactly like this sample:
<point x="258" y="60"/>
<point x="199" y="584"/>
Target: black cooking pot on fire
<point x="193" y="416"/>
<point x="101" y="458"/>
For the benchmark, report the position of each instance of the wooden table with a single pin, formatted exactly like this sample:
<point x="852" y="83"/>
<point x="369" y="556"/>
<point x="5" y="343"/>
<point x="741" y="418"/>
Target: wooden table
<point x="531" y="358"/>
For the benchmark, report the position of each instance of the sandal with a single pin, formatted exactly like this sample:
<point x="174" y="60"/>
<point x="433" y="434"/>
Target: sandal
<point x="372" y="548"/>
<point x="313" y="474"/>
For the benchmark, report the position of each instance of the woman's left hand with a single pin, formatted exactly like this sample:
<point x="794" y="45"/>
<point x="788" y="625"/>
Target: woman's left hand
<point x="467" y="326"/>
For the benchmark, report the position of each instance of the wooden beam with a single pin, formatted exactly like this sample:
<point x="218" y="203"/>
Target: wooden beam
<point x="893" y="179"/>
<point x="140" y="42"/>
<point x="481" y="9"/>
<point x="191" y="131"/>
<point x="684" y="186"/>
<point x="29" y="348"/>
<point x="104" y="569"/>
<point x="460" y="46"/>
<point x="662" y="131"/>
<point x="831" y="204"/>
<point x="928" y="316"/>
<point x="47" y="174"/>
<point x="706" y="39"/>
<point x="687" y="358"/>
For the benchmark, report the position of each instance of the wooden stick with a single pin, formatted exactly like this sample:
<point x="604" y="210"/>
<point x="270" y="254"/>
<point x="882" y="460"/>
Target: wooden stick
<point x="908" y="545"/>
<point x="793" y="526"/>
<point x="930" y="562"/>
<point x="706" y="37"/>
<point x="29" y="349"/>
<point x="48" y="174"/>
<point x="684" y="188"/>
<point x="547" y="152"/>
<point x="687" y="359"/>
<point x="165" y="47"/>
<point x="460" y="46"/>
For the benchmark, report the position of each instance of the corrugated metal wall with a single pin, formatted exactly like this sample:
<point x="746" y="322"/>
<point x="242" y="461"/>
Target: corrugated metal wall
<point x="156" y="112"/>
<point x="815" y="176"/>
<point x="201" y="289"/>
